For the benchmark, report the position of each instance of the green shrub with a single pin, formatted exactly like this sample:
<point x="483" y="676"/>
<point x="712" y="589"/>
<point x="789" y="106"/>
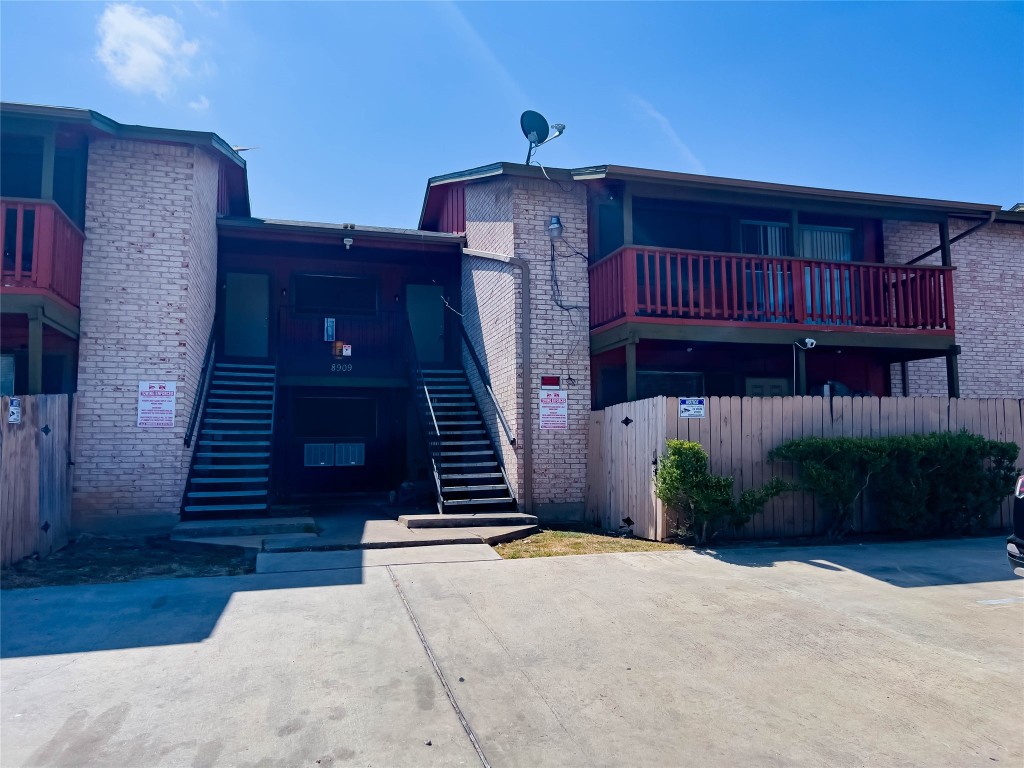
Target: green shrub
<point x="945" y="483"/>
<point x="704" y="503"/>
<point x="925" y="485"/>
<point x="836" y="470"/>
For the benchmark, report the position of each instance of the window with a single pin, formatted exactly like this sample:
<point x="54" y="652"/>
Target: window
<point x="335" y="295"/>
<point x="828" y="243"/>
<point x="765" y="238"/>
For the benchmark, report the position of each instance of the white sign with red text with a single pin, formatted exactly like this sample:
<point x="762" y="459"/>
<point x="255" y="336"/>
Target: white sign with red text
<point x="156" y="404"/>
<point x="554" y="409"/>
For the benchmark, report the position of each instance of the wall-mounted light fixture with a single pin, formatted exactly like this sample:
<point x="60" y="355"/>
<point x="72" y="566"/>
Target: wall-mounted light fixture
<point x="555" y="228"/>
<point x="348" y="242"/>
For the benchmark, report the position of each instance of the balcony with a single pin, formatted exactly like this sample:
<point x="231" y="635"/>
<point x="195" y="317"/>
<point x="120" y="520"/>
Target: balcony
<point x="42" y="250"/>
<point x="690" y="287"/>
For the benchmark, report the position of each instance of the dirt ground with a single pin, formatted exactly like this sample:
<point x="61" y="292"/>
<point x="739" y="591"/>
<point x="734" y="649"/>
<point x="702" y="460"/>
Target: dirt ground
<point x="557" y="543"/>
<point x="98" y="559"/>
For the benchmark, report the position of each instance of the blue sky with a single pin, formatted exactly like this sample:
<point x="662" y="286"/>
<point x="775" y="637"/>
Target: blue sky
<point x="354" y="105"/>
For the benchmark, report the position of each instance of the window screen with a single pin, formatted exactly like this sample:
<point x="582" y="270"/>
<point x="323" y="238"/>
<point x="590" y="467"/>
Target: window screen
<point x="335" y="295"/>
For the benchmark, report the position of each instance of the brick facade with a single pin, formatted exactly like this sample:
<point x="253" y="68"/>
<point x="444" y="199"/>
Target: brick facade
<point x="148" y="297"/>
<point x="988" y="294"/>
<point x="510" y="215"/>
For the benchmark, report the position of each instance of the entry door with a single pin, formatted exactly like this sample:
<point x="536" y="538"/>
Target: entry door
<point x="425" y="304"/>
<point x="246" y="314"/>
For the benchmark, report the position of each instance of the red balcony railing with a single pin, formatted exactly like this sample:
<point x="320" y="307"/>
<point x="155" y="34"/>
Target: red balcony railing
<point x="637" y="283"/>
<point x="42" y="249"/>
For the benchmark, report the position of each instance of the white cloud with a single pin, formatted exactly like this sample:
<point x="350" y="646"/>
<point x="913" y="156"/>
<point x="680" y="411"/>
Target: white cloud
<point x="692" y="162"/>
<point x="200" y="104"/>
<point x="143" y="52"/>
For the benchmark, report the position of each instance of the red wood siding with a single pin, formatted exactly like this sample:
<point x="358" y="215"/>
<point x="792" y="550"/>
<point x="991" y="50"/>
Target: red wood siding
<point x="453" y="210"/>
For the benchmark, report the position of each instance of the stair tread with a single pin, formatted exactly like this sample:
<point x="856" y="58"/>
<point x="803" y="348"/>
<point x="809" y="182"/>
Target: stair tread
<point x="466" y="488"/>
<point x="236" y="432"/>
<point x="234" y="442"/>
<point x="219" y="371"/>
<point x="471" y="475"/>
<point x="464" y="502"/>
<point x="232" y="455"/>
<point x="253" y="366"/>
<point x="238" y="421"/>
<point x="211" y="480"/>
<point x="222" y="507"/>
<point x="223" y="494"/>
<point x="233" y="467"/>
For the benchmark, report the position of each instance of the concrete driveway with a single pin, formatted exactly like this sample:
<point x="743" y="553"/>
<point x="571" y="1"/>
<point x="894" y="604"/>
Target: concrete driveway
<point x="899" y="654"/>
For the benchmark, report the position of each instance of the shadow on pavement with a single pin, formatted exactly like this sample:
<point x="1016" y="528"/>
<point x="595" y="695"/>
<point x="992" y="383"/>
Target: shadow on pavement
<point x="902" y="564"/>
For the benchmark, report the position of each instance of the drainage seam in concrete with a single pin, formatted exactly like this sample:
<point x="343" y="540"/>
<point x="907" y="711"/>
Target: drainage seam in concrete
<point x="437" y="671"/>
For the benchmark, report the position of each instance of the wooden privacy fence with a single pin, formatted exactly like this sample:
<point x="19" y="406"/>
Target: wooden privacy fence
<point x="738" y="433"/>
<point x="35" y="477"/>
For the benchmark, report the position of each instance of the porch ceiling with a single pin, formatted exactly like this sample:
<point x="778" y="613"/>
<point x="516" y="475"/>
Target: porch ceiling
<point x="907" y="341"/>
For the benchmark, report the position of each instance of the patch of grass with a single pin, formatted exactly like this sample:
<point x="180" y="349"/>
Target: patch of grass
<point x="101" y="559"/>
<point x="558" y="543"/>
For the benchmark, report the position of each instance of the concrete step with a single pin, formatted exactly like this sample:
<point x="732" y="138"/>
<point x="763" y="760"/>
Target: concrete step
<point x="199" y="529"/>
<point x="467" y="520"/>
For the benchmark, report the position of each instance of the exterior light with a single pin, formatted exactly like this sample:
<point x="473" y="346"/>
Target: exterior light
<point x="555" y="228"/>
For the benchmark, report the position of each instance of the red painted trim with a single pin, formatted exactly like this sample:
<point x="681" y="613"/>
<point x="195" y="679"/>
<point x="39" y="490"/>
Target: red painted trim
<point x="740" y="289"/>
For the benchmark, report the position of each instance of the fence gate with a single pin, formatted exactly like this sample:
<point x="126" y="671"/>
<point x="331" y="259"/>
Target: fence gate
<point x="35" y="477"/>
<point x="627" y="439"/>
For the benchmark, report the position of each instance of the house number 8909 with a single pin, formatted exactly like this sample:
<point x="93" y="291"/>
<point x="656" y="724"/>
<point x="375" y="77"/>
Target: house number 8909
<point x="341" y="367"/>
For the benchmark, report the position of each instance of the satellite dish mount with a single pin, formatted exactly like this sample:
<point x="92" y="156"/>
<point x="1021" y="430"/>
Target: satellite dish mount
<point x="537" y="131"/>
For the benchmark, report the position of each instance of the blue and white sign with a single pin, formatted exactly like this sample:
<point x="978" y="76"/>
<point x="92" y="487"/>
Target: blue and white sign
<point x="693" y="407"/>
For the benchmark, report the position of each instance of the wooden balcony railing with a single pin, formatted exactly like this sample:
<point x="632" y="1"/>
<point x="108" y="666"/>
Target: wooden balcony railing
<point x="640" y="283"/>
<point x="42" y="249"/>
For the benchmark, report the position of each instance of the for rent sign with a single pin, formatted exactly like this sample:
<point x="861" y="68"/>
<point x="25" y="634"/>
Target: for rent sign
<point x="156" y="404"/>
<point x="554" y="409"/>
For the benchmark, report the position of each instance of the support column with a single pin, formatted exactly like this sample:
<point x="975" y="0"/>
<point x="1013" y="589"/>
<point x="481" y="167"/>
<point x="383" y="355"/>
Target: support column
<point x="801" y="370"/>
<point x="947" y="253"/>
<point x="49" y="160"/>
<point x="953" y="371"/>
<point x="631" y="370"/>
<point x="35" y="353"/>
<point x="905" y="378"/>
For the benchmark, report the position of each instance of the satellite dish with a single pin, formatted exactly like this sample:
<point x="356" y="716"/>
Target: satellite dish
<point x="537" y="131"/>
<point x="535" y="127"/>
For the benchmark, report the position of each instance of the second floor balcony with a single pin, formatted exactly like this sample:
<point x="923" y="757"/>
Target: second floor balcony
<point x="42" y="250"/>
<point x="692" y="287"/>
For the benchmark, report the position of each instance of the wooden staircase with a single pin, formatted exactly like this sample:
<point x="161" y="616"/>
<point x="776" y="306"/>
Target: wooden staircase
<point x="230" y="472"/>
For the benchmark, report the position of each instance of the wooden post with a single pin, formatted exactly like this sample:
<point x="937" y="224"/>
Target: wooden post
<point x="631" y="369"/>
<point x="801" y="370"/>
<point x="35" y="353"/>
<point x="49" y="159"/>
<point x="947" y="253"/>
<point x="953" y="371"/>
<point x="627" y="216"/>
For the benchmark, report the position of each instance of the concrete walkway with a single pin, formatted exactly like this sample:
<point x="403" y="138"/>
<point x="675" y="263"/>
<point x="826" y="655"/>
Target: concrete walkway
<point x="842" y="656"/>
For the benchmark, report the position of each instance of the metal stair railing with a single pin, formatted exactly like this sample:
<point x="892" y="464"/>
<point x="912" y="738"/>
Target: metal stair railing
<point x="199" y="399"/>
<point x="424" y="408"/>
<point x="486" y="380"/>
